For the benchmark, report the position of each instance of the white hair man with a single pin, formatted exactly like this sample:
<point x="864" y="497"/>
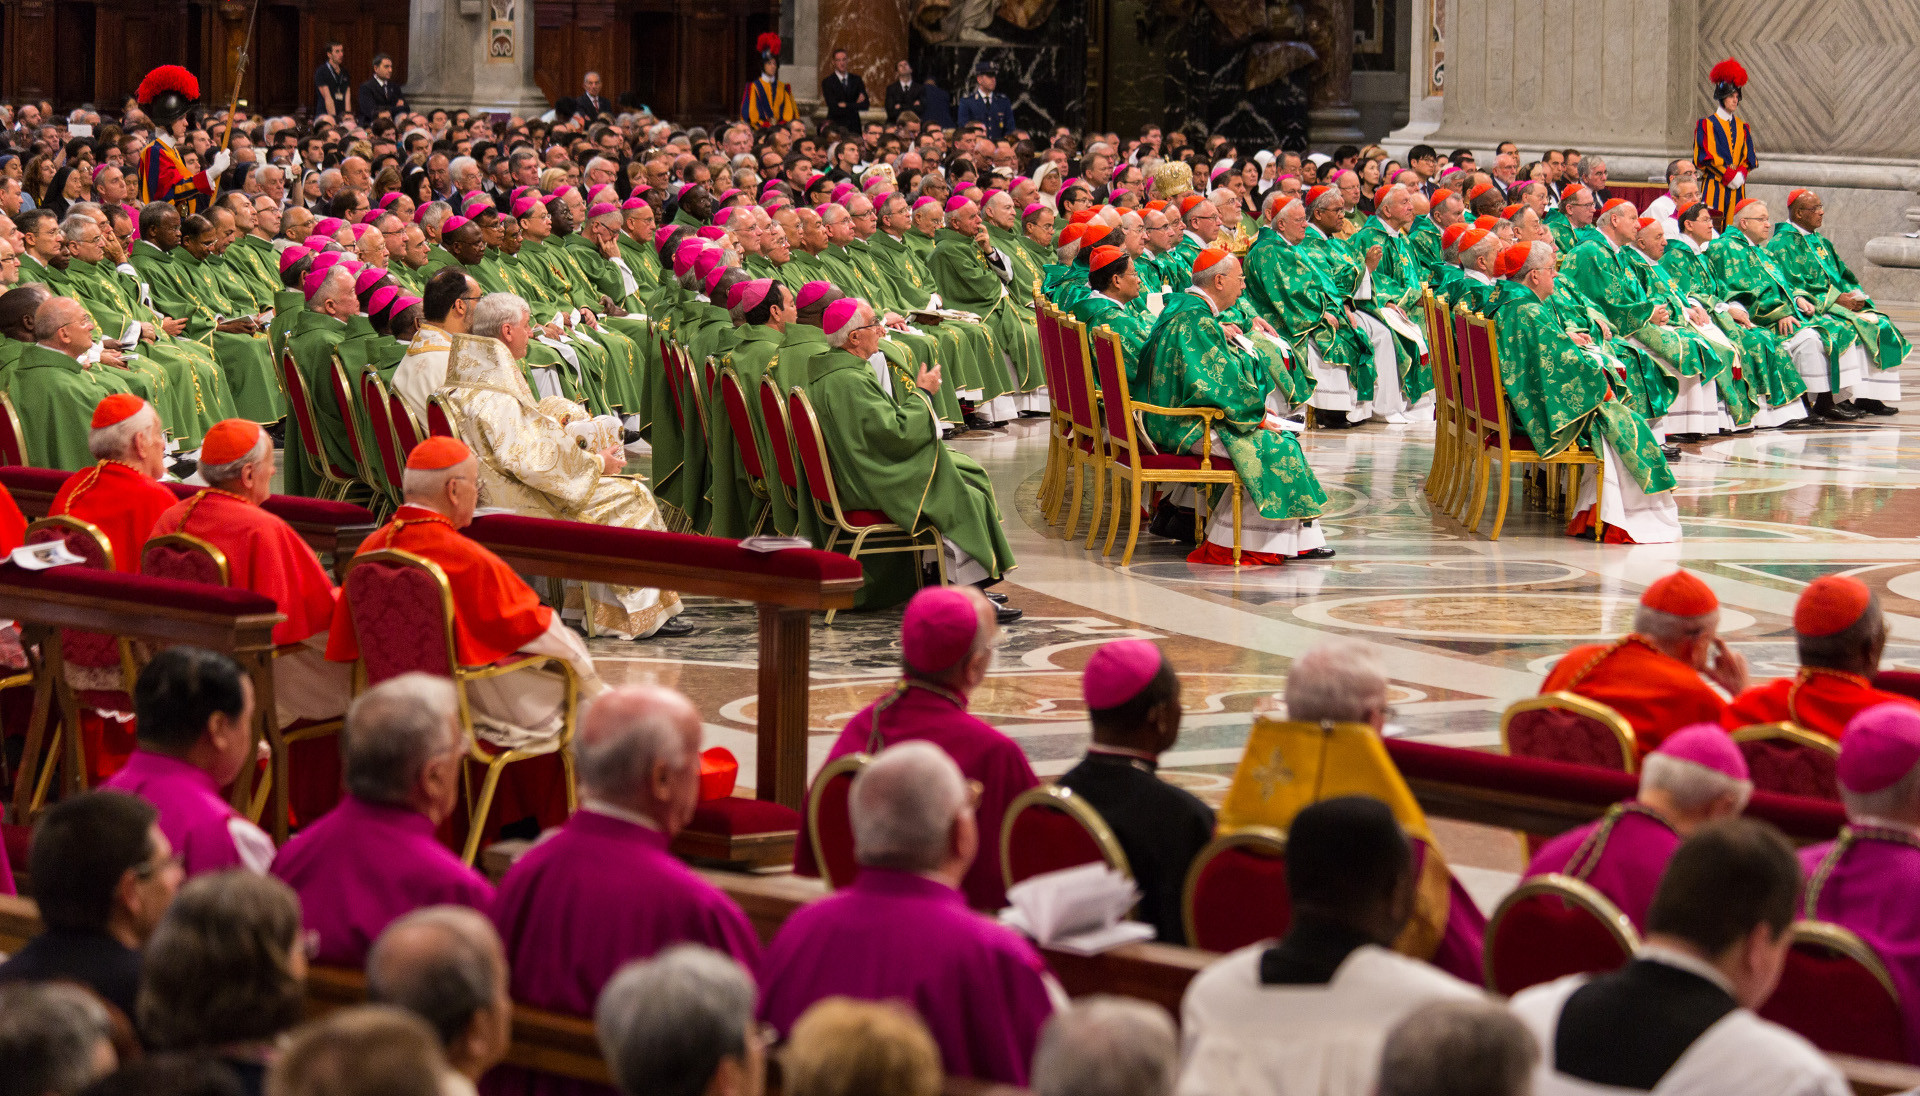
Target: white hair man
<point x="1107" y="1046"/>
<point x="264" y="554"/>
<point x="373" y="858"/>
<point x="603" y="889"/>
<point x="551" y="458"/>
<point x="1392" y="293"/>
<point x="1695" y="777"/>
<point x="972" y="275"/>
<point x="1456" y="1047"/>
<point x="903" y="930"/>
<point x="445" y="964"/>
<point x="120" y="495"/>
<point x="682" y="1022"/>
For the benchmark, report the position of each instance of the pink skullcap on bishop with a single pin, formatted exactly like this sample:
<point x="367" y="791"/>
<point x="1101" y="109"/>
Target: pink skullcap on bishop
<point x="593" y="193"/>
<point x="711" y="279"/>
<point x="1209" y="257"/>
<point x="438" y="453"/>
<point x="311" y="283"/>
<point x="841" y="192"/>
<point x="360" y="230"/>
<point x="291" y="256"/>
<point x="520" y="192"/>
<point x="840" y="314"/>
<point x="116" y="409"/>
<point x="327" y="226"/>
<point x="1880" y="745"/>
<point x="1707" y="745"/>
<point x="473" y="195"/>
<point x="556" y="196"/>
<point x="634" y="203"/>
<point x="324" y="260"/>
<point x="957" y="201"/>
<point x="661" y="235"/>
<point x="748" y="295"/>
<point x="561" y="193"/>
<point x="711" y="232"/>
<point x="939" y="629"/>
<point x="405" y="303"/>
<point x="601" y="209"/>
<point x="1118" y="671"/>
<point x="388" y="199"/>
<point x="523" y="206"/>
<point x="1830" y="604"/>
<point x="474" y="209"/>
<point x="229" y="440"/>
<point x="811" y="293"/>
<point x="684" y="255"/>
<point x="454" y="224"/>
<point x="1034" y="209"/>
<point x="1681" y="594"/>
<point x="382" y="297"/>
<point x="720" y="215"/>
<point x="368" y="278"/>
<point x="708" y="258"/>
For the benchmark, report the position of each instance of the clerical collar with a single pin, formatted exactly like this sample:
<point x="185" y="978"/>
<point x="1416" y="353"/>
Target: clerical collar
<point x="1139" y="759"/>
<point x="602" y="807"/>
<point x="1195" y="237"/>
<point x="1389" y="229"/>
<point x="1109" y="296"/>
<point x="1722" y="114"/>
<point x="1870" y="821"/>
<point x="1680" y="960"/>
<point x="1310" y="954"/>
<point x="1200" y="293"/>
<point x="1476" y="275"/>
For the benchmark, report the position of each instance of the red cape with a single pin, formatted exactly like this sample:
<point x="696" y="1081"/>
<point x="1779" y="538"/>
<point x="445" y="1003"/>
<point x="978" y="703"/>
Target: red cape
<point x="495" y="612"/>
<point x="1819" y="700"/>
<point x="13" y="524"/>
<point x="264" y="555"/>
<point x="1658" y="695"/>
<point x="122" y="502"/>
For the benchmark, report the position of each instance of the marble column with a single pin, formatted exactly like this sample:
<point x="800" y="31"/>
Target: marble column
<point x="1426" y="88"/>
<point x="874" y="34"/>
<point x="1331" y="119"/>
<point x="449" y="62"/>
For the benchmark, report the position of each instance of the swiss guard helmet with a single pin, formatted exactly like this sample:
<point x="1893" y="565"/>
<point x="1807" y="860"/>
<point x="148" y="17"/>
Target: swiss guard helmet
<point x="167" y="94"/>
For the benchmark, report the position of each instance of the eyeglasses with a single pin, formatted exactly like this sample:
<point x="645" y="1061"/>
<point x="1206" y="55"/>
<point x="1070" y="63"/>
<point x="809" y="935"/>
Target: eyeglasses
<point x="154" y="867"/>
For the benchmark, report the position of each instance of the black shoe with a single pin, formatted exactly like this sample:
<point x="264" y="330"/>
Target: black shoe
<point x="1825" y="409"/>
<point x="996" y="598"/>
<point x="673" y="629"/>
<point x="1322" y="552"/>
<point x="1671" y="452"/>
<point x="1006" y="614"/>
<point x="182" y="469"/>
<point x="1802" y="423"/>
<point x="1172" y="522"/>
<point x="1686" y="438"/>
<point x="1874" y="407"/>
<point x="1033" y="414"/>
<point x="630" y="436"/>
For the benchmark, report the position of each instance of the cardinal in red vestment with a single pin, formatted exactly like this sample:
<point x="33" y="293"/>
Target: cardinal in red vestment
<point x="1840" y="633"/>
<point x="121" y="495"/>
<point x="1657" y="675"/>
<point x="265" y="555"/>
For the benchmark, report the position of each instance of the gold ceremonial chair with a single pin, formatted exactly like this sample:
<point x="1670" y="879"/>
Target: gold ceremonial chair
<point x="1567" y="727"/>
<point x="1236" y="890"/>
<point x="1790" y="759"/>
<point x="1048" y="828"/>
<point x="1494" y="431"/>
<point x="830" y="822"/>
<point x="1550" y="927"/>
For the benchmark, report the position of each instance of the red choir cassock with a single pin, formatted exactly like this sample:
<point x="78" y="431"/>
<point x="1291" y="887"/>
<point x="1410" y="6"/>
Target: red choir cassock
<point x="1823" y="698"/>
<point x="114" y="496"/>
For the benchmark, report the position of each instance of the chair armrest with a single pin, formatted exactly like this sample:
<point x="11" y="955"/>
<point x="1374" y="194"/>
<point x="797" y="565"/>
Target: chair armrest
<point x="1200" y="412"/>
<point x="497" y="669"/>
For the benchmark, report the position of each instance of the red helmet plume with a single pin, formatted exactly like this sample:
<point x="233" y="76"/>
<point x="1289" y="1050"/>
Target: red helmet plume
<point x="168" y="78"/>
<point x="1729" y="71"/>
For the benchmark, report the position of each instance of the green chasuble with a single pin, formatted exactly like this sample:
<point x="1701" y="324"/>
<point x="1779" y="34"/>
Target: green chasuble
<point x="1098" y="310"/>
<point x="54" y="396"/>
<point x="183" y="288"/>
<point x="1561" y="228"/>
<point x="438" y="259"/>
<point x="973" y="354"/>
<point x="1605" y="275"/>
<point x="570" y="281"/>
<point x="1396" y="280"/>
<point x="1065" y="283"/>
<point x="920" y="244"/>
<point x="362" y="349"/>
<point x="1558" y="393"/>
<point x="1754" y="279"/>
<point x="761" y="352"/>
<point x="737" y="510"/>
<point x="1026" y="272"/>
<point x="173" y="368"/>
<point x="259" y="263"/>
<point x="1718" y="354"/>
<point x="967" y="283"/>
<point x="1815" y="271"/>
<point x="888" y="456"/>
<point x="1639" y="378"/>
<point x="1765" y="367"/>
<point x="1429" y="250"/>
<point x="315" y="335"/>
<point x="1287" y="288"/>
<point x="959" y="348"/>
<point x="905" y="351"/>
<point x="1188" y="362"/>
<point x="287" y="304"/>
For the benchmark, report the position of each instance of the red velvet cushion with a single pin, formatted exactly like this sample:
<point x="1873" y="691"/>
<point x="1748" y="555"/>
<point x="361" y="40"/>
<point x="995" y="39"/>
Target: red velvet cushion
<point x="645" y="545"/>
<point x="1904" y="682"/>
<point x="1240" y="898"/>
<point x="179" y="564"/>
<point x="437" y="424"/>
<point x="19" y="478"/>
<point x="400" y="619"/>
<point x="862" y="518"/>
<point x="1046" y="839"/>
<point x="741" y="423"/>
<point x="1555" y="734"/>
<point x="160" y="592"/>
<point x="297" y="397"/>
<point x="295" y="510"/>
<point x="403" y="424"/>
<point x="1838" y="1005"/>
<point x="778" y="438"/>
<point x="734" y="816"/>
<point x="835" y="830"/>
<point x="1545" y="937"/>
<point x="1173" y="461"/>
<point x="1778" y="765"/>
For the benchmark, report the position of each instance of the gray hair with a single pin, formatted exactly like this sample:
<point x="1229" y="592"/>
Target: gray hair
<point x="839" y="338"/>
<point x="330" y="180"/>
<point x="112" y="442"/>
<point x="1589" y="163"/>
<point x="1487" y="246"/>
<point x="625" y="732"/>
<point x="496" y="310"/>
<point x="459" y="164"/>
<point x="258" y="176"/>
<point x="1204" y="279"/>
<point x="76" y="225"/>
<point x="440" y="963"/>
<point x="1691" y="785"/>
<point x="599" y="161"/>
<point x="90" y="209"/>
<point x="49" y="1033"/>
<point x="1106" y="1046"/>
<point x="1458" y="1048"/>
<point x="1338" y="681"/>
<point x="903" y="805"/>
<point x="436" y="214"/>
<point x="217" y="474"/>
<point x="1325" y="200"/>
<point x="1897" y="802"/>
<point x="1666" y="628"/>
<point x="428" y="482"/>
<point x="1539" y="256"/>
<point x="666" y="1023"/>
<point x="393" y="730"/>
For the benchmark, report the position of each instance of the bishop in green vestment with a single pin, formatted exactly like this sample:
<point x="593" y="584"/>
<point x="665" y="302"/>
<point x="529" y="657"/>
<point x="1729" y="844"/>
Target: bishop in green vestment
<point x="1114" y="284"/>
<point x="1771" y="379"/>
<point x="1397" y="288"/>
<point x="53" y="392"/>
<point x="1825" y="348"/>
<point x="319" y="329"/>
<point x="974" y="276"/>
<point x="1291" y="291"/>
<point x="167" y="262"/>
<point x="1814" y="269"/>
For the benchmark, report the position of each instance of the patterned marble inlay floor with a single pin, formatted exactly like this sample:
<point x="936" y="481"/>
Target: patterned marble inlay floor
<point x="1466" y="625"/>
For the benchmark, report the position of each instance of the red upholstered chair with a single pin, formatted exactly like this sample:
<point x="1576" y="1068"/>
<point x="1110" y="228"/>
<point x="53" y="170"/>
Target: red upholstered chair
<point x="830" y="823"/>
<point x="441" y="421"/>
<point x="773" y="412"/>
<point x="1837" y="993"/>
<point x="405" y="601"/>
<point x="1789" y="759"/>
<point x="1048" y="828"/>
<point x="1904" y="682"/>
<point x="386" y="446"/>
<point x="361" y="447"/>
<point x="1059" y="422"/>
<point x="670" y="367"/>
<point x="1566" y="727"/>
<point x="13" y="440"/>
<point x="407" y="431"/>
<point x="1442" y="472"/>
<point x="1551" y="927"/>
<point x="1236" y="890"/>
<point x="1498" y="434"/>
<point x="334" y="482"/>
<point x="861" y="525"/>
<point x="1131" y="460"/>
<point x="1086" y="448"/>
<point x="733" y="397"/>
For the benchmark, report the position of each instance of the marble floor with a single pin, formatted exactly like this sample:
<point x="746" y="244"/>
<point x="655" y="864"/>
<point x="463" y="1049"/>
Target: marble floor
<point x="1465" y="625"/>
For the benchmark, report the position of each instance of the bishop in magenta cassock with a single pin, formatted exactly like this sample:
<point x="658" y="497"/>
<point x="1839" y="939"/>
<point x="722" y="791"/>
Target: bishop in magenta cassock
<point x="1694" y="777"/>
<point x="265" y="555"/>
<point x="373" y="858"/>
<point x="180" y="766"/>
<point x="1656" y="676"/>
<point x="495" y="613"/>
<point x="604" y="889"/>
<point x="946" y="647"/>
<point x="1868" y="880"/>
<point x="1840" y="633"/>
<point x="903" y="931"/>
<point x="120" y="495"/>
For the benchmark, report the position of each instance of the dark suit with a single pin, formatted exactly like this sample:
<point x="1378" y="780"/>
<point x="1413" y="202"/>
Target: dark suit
<point x="593" y="106"/>
<point x="900" y="98"/>
<point x="846" y="97"/>
<point x="93" y="959"/>
<point x="333" y="80"/>
<point x="377" y="97"/>
<point x="996" y="113"/>
<point x="937" y="106"/>
<point x="1159" y="826"/>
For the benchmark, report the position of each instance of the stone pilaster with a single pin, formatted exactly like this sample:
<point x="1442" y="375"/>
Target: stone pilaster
<point x="449" y="62"/>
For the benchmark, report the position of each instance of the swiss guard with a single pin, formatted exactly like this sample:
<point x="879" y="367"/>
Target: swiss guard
<point x="167" y="96"/>
<point x="1723" y="144"/>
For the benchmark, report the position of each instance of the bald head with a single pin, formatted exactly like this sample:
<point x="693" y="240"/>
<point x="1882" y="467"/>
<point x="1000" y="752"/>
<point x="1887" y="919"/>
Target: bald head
<point x="58" y="324"/>
<point x="639" y="750"/>
<point x="445" y="965"/>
